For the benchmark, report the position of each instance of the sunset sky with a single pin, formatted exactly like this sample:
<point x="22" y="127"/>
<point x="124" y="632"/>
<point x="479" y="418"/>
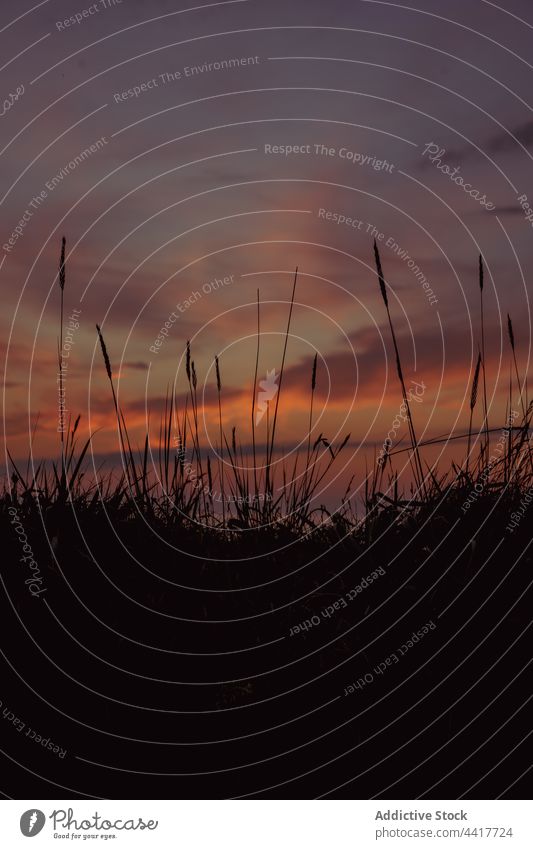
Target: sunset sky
<point x="229" y="140"/>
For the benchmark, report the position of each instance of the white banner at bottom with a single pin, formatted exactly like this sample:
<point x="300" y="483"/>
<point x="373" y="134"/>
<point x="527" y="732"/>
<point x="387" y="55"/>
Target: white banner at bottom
<point x="268" y="824"/>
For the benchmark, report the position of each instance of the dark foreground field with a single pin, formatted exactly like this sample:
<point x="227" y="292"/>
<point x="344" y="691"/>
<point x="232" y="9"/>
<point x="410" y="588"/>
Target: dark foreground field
<point x="161" y="674"/>
<point x="161" y="646"/>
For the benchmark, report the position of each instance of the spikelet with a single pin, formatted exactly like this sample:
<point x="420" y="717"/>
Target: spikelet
<point x="473" y="394"/>
<point x="380" y="274"/>
<point x="62" y="265"/>
<point x="510" y="330"/>
<point x="104" y="352"/>
<point x="219" y="382"/>
<point x="188" y="361"/>
<point x="313" y="375"/>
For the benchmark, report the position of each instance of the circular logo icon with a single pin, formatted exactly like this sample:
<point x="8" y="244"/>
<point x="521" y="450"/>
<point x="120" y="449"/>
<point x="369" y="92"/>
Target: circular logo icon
<point x="32" y="822"/>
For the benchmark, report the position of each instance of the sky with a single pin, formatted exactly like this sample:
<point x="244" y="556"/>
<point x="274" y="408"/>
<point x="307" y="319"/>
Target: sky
<point x="194" y="154"/>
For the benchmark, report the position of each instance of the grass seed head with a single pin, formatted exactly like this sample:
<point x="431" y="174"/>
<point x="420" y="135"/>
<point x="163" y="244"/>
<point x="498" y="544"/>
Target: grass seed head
<point x="104" y="353"/>
<point x="62" y="264"/>
<point x="510" y="330"/>
<point x="473" y="394"/>
<point x="381" y="279"/>
<point x="188" y="361"/>
<point x="219" y="382"/>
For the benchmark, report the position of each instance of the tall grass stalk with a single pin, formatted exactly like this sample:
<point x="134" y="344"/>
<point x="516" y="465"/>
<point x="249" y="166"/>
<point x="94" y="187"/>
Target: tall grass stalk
<point x="473" y="399"/>
<point x="254" y="395"/>
<point x="510" y="332"/>
<point x="482" y="317"/>
<point x="270" y="441"/>
<point x="221" y="473"/>
<point x="127" y="454"/>
<point x="61" y="280"/>
<point x="521" y="386"/>
<point x="313" y="387"/>
<point x="417" y="469"/>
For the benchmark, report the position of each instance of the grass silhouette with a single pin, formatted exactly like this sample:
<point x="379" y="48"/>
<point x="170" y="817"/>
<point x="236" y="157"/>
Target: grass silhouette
<point x="183" y="493"/>
<point x="188" y="608"/>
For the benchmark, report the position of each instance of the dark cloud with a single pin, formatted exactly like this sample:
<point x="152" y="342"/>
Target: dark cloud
<point x="506" y="142"/>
